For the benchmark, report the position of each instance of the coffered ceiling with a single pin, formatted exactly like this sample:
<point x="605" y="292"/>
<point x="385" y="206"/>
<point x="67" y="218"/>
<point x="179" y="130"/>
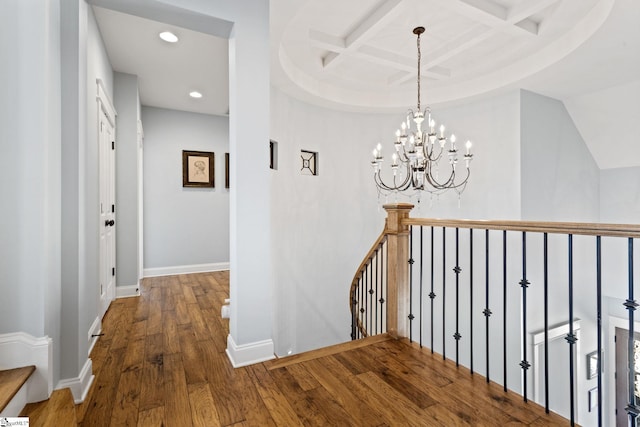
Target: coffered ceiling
<point x="360" y="55"/>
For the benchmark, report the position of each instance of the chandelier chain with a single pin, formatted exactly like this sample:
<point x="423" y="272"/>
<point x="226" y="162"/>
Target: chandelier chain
<point x="419" y="60"/>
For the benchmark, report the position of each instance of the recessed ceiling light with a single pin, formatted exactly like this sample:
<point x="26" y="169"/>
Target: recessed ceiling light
<point x="168" y="36"/>
<point x="195" y="94"/>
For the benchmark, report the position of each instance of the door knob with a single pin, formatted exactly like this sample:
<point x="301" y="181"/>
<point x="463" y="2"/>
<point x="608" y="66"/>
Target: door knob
<point x="109" y="223"/>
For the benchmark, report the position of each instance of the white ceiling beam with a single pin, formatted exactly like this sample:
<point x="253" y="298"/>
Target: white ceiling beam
<point x="365" y="29"/>
<point x="326" y="41"/>
<point x="488" y="13"/>
<point x="526" y="9"/>
<point x="434" y="73"/>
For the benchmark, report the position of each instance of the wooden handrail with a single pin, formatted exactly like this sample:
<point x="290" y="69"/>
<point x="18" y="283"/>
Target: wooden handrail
<point x="577" y="228"/>
<point x="360" y="271"/>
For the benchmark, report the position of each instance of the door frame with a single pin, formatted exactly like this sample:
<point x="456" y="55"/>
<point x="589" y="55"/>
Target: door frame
<point x="105" y="105"/>
<point x="610" y="365"/>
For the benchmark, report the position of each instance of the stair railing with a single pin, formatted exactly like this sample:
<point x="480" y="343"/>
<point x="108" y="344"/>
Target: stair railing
<point x="395" y="288"/>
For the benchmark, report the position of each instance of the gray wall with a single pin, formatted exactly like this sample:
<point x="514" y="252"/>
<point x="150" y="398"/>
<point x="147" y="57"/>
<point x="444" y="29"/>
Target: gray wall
<point x="560" y="178"/>
<point x="183" y="226"/>
<point x="127" y="104"/>
<point x="30" y="183"/>
<point x="620" y="195"/>
<point x="324" y="225"/>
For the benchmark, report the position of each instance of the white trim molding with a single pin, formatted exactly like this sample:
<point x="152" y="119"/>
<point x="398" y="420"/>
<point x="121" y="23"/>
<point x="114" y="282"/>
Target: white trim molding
<point x="128" y="291"/>
<point x="249" y="354"/>
<point x="81" y="384"/>
<point x="94" y="332"/>
<point x="21" y="349"/>
<point x="185" y="269"/>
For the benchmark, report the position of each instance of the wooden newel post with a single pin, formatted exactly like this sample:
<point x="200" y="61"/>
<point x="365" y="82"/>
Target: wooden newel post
<point x="398" y="262"/>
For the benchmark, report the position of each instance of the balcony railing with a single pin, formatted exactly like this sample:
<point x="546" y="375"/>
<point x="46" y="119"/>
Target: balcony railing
<point x="499" y="296"/>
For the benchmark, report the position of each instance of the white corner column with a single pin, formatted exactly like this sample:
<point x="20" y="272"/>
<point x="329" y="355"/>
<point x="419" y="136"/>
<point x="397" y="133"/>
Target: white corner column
<point x="250" y="338"/>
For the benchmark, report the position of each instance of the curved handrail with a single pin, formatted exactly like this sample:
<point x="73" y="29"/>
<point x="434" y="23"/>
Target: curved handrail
<point x="356" y="278"/>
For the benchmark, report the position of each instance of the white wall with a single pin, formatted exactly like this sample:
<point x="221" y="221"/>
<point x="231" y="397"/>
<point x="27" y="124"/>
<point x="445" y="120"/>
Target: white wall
<point x="183" y="226"/>
<point x="324" y="225"/>
<point x="127" y="104"/>
<point x="30" y="150"/>
<point x="560" y="178"/>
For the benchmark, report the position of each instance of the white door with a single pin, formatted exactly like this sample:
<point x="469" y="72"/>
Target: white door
<point x="106" y="147"/>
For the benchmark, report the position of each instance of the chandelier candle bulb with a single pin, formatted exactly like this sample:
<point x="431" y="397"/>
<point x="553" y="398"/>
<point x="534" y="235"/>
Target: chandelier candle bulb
<point x="468" y="145"/>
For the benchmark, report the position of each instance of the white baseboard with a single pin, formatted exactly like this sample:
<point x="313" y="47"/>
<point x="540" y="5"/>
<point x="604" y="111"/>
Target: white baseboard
<point x="249" y="354"/>
<point x="21" y="349"/>
<point x="185" y="269"/>
<point x="94" y="331"/>
<point x="128" y="291"/>
<point x="81" y="384"/>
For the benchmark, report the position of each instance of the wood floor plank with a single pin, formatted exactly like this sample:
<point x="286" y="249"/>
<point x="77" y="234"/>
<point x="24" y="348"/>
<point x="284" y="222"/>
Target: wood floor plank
<point x="303" y="377"/>
<point x="177" y="409"/>
<point x="170" y="338"/>
<point x="389" y="397"/>
<point x="277" y="404"/>
<point x="203" y="409"/>
<point x="219" y="373"/>
<point x="152" y="388"/>
<point x="125" y="408"/>
<point x="152" y="417"/>
<point x="255" y="410"/>
<point x="191" y="355"/>
<point x="182" y="311"/>
<point x="329" y="374"/>
<point x="103" y="399"/>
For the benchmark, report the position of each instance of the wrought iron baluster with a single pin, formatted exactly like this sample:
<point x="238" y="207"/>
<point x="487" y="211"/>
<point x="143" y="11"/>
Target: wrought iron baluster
<point x="471" y="300"/>
<point x="504" y="308"/>
<point x="386" y="290"/>
<point x="524" y="284"/>
<point x="457" y="271"/>
<point x="632" y="408"/>
<point x="374" y="297"/>
<point x="432" y="295"/>
<point x="370" y="297"/>
<point x="421" y="264"/>
<point x="546" y="322"/>
<point x="444" y="291"/>
<point x="411" y="317"/>
<point x="599" y="319"/>
<point x="487" y="311"/>
<point x="571" y="337"/>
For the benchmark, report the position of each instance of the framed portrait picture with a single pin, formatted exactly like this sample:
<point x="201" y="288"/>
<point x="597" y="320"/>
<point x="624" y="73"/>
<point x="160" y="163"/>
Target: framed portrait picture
<point x="198" y="169"/>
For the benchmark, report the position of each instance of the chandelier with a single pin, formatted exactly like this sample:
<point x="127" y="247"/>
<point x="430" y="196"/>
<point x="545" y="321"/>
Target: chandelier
<point x="418" y="152"/>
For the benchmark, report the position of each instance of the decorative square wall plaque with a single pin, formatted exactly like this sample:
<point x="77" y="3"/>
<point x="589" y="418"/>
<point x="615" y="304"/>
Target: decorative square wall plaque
<point x="309" y="162"/>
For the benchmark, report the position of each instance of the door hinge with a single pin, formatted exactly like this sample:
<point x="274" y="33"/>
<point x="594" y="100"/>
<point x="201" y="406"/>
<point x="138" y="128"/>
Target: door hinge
<point x="615" y="338"/>
<point x="615" y="375"/>
<point x="113" y="271"/>
<point x="113" y="208"/>
<point x="113" y="145"/>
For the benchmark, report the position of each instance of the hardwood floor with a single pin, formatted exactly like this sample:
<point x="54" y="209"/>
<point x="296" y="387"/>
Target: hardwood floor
<point x="162" y="362"/>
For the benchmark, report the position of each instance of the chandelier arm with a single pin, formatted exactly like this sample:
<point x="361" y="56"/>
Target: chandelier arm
<point x="402" y="187"/>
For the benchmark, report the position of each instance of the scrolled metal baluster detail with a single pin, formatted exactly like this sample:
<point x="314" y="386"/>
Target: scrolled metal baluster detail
<point x="631" y="305"/>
